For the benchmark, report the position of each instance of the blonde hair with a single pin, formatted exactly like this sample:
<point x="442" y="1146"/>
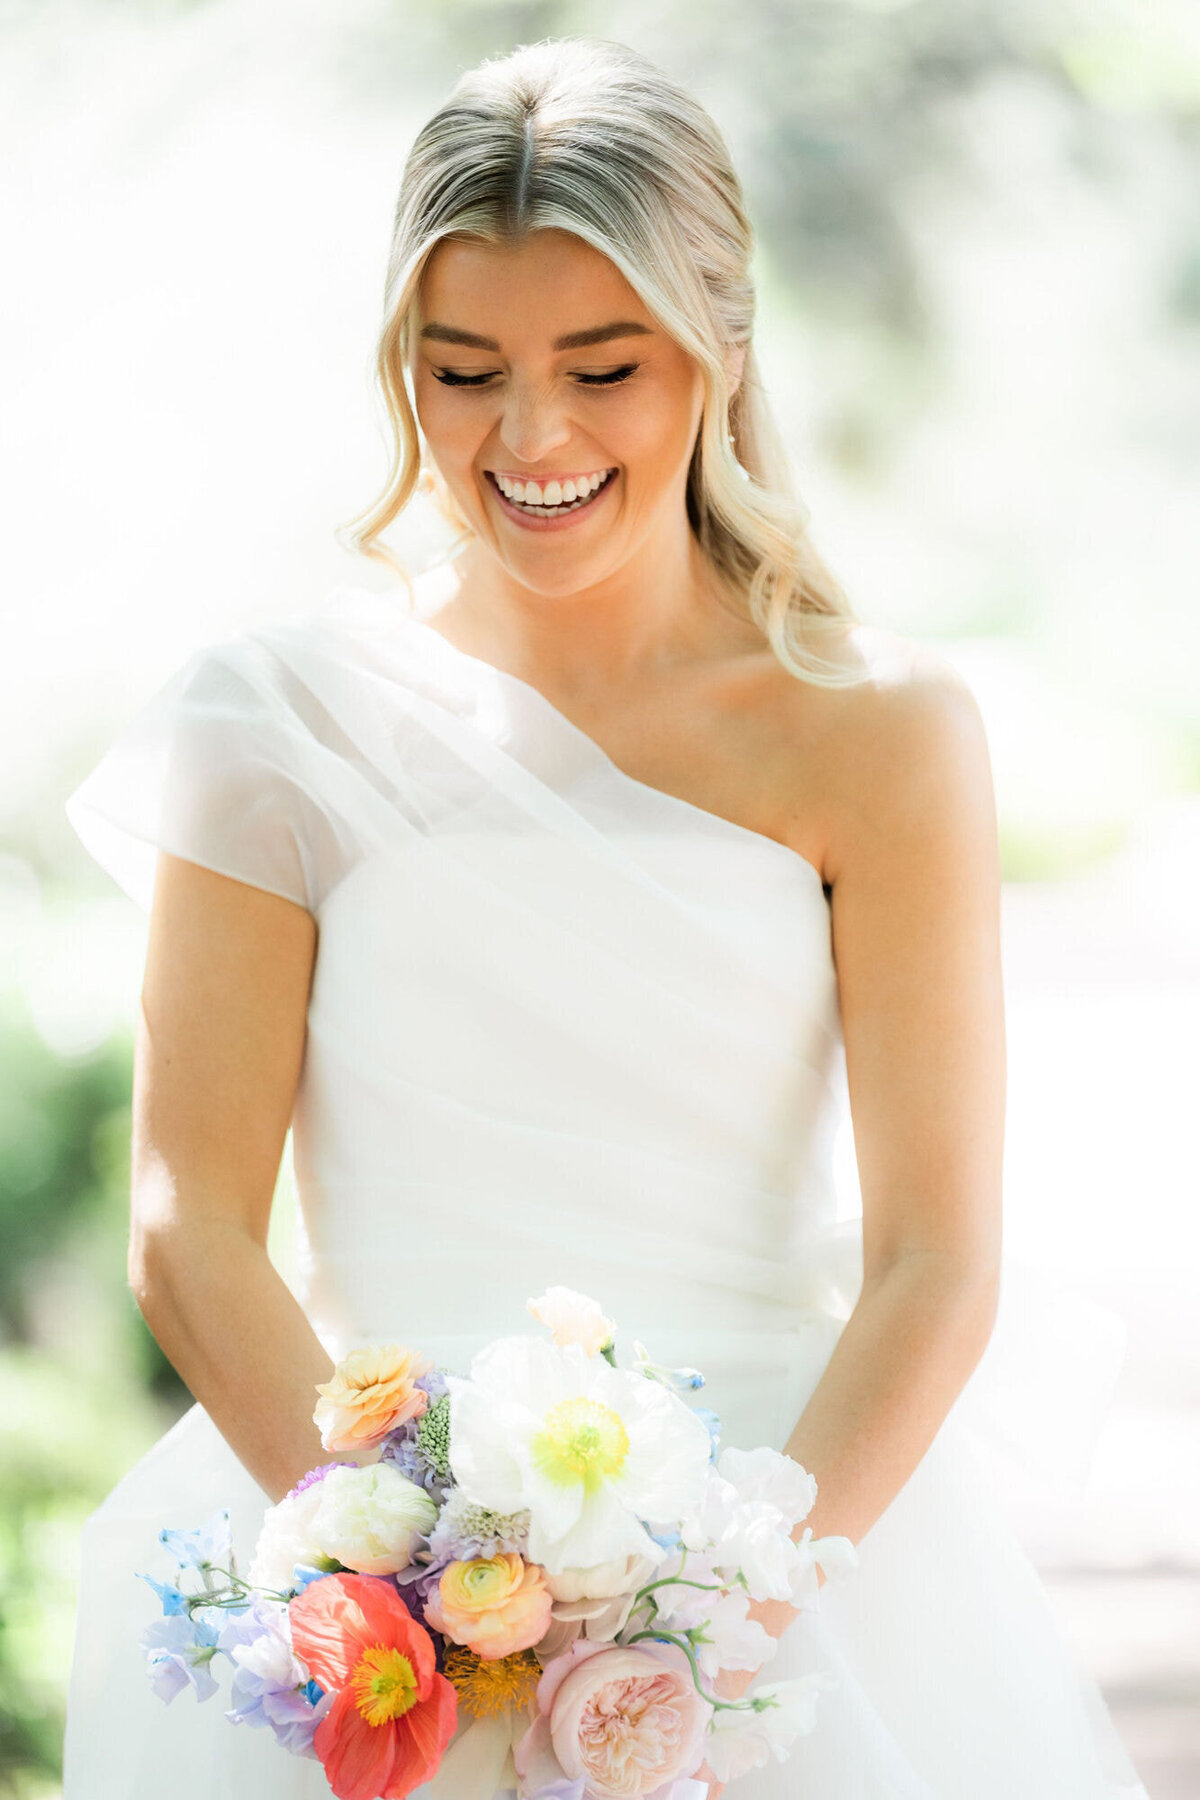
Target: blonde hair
<point x="585" y="135"/>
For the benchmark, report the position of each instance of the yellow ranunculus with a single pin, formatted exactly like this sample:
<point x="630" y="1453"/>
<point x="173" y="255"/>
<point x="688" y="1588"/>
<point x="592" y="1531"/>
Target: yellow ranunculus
<point x="494" y="1605"/>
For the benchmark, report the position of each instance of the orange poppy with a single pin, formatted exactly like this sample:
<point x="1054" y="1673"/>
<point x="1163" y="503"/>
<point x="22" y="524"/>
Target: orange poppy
<point x="393" y="1714"/>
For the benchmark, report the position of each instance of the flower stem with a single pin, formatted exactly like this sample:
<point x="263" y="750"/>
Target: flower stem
<point x="719" y="1705"/>
<point x="233" y="1595"/>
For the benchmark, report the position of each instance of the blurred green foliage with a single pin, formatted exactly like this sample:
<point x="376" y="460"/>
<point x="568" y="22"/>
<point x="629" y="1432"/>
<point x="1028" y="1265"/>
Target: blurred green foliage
<point x="84" y="1388"/>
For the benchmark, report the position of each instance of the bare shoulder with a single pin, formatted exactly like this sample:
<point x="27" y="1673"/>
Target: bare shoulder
<point x="903" y="750"/>
<point x="908" y="712"/>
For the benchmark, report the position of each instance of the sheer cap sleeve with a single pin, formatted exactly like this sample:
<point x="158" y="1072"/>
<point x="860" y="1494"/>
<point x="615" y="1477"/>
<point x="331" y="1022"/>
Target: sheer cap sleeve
<point x="222" y="768"/>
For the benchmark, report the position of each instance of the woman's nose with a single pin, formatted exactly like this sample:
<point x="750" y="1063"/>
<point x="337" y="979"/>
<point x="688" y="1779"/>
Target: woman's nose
<point x="531" y="430"/>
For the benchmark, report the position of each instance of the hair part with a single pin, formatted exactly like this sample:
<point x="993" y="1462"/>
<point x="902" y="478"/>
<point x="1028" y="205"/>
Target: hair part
<point x="585" y="135"/>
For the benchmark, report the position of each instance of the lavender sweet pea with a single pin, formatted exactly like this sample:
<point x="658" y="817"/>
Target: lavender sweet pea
<point x="270" y="1687"/>
<point x="179" y="1650"/>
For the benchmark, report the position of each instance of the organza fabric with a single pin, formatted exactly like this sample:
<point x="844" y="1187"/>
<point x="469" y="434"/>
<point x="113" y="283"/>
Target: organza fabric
<point x="564" y="1028"/>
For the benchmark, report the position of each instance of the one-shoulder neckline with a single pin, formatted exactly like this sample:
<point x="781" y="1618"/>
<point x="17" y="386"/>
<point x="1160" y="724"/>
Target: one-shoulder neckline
<point x="745" y="833"/>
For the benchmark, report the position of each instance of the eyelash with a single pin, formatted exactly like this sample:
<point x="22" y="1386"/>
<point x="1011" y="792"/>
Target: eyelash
<point x="449" y="379"/>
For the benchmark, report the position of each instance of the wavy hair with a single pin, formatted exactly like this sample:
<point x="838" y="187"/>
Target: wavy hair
<point x="586" y="135"/>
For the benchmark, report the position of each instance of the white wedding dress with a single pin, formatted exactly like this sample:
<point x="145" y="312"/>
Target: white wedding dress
<point x="567" y="1029"/>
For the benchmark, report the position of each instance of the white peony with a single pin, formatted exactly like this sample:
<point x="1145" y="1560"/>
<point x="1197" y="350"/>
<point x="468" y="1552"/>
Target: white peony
<point x="738" y="1741"/>
<point x="573" y="1319"/>
<point x="590" y="1450"/>
<point x="370" y="1519"/>
<point x="285" y="1539"/>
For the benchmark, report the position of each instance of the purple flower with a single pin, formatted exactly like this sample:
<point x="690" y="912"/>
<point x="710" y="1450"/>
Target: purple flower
<point x="311" y="1479"/>
<point x="403" y="1453"/>
<point x="271" y="1687"/>
<point x="247" y="1626"/>
<point x="402" y="1447"/>
<point x="414" y="1582"/>
<point x="178" y="1653"/>
<point x="463" y="1531"/>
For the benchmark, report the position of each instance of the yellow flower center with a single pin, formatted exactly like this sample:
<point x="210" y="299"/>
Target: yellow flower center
<point x="384" y="1683"/>
<point x="486" y="1689"/>
<point x="581" y="1441"/>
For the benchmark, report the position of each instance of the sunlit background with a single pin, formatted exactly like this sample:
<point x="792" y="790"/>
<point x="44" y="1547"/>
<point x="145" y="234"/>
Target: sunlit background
<point x="979" y="268"/>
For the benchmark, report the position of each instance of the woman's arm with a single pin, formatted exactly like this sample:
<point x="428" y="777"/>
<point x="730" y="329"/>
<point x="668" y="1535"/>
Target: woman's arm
<point x="913" y="861"/>
<point x="914" y="864"/>
<point x="220" y="1044"/>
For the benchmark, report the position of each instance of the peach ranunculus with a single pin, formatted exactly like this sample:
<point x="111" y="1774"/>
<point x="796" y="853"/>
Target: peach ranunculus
<point x="495" y="1605"/>
<point x="370" y="1392"/>
<point x="573" y="1319"/>
<point x="627" y="1719"/>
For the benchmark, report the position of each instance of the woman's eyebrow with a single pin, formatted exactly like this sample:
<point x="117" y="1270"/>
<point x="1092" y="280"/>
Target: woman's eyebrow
<point x="574" y="340"/>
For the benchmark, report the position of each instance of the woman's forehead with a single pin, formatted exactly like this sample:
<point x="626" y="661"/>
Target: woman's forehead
<point x="552" y="271"/>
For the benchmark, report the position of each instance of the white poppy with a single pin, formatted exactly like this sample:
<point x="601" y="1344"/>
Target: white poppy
<point x="589" y="1449"/>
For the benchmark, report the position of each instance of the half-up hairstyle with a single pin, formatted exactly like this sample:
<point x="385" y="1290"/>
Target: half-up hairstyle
<point x="585" y="135"/>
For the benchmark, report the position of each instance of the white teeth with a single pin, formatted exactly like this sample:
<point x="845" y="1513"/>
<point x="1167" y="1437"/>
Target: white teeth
<point x="554" y="493"/>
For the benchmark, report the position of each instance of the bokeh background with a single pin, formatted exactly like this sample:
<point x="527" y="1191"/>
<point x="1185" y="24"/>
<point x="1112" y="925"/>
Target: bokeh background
<point x="979" y="265"/>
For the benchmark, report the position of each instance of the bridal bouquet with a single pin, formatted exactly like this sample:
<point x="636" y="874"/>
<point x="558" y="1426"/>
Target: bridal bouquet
<point x="531" y="1579"/>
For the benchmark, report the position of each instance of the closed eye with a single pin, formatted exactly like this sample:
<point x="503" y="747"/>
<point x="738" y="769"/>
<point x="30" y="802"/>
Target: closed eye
<point x="449" y="379"/>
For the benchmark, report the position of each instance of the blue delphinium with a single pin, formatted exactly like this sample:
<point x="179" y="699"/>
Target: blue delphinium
<point x="174" y="1599"/>
<point x="206" y="1546"/>
<point x="680" y="1381"/>
<point x="196" y="1606"/>
<point x="669" y="1538"/>
<point x="713" y="1421"/>
<point x="304" y="1574"/>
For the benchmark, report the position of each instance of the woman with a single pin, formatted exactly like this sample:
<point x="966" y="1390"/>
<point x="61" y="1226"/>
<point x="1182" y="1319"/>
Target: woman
<point x="546" y="918"/>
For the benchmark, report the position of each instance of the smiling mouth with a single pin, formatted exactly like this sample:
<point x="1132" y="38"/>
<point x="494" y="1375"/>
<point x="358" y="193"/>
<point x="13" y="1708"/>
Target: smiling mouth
<point x="540" y="509"/>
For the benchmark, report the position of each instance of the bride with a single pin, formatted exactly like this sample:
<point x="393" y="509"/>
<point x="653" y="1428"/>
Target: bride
<point x="549" y="916"/>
